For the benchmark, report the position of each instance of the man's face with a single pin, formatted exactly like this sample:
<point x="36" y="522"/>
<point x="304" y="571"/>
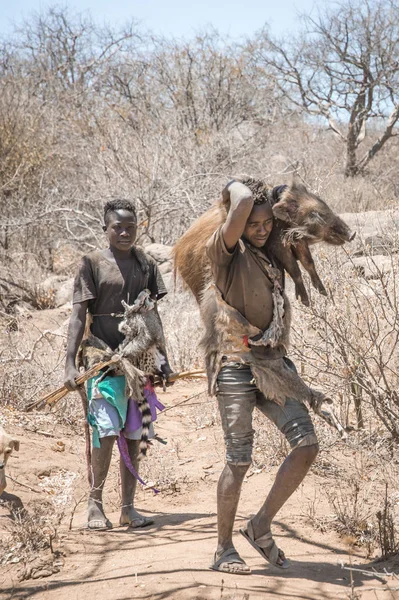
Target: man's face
<point x="259" y="225"/>
<point x="121" y="229"/>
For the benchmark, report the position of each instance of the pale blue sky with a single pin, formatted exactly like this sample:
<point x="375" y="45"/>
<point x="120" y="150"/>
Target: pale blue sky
<point x="177" y="17"/>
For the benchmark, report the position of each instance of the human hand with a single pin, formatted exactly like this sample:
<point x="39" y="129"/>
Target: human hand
<point x="170" y="379"/>
<point x="235" y="190"/>
<point x="70" y="376"/>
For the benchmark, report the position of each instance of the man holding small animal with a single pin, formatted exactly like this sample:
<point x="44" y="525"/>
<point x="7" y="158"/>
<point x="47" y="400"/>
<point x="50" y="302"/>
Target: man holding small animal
<point x="108" y="280"/>
<point x="247" y="320"/>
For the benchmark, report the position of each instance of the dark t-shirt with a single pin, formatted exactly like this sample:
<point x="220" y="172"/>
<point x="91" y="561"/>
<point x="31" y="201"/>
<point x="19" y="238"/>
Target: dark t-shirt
<point x="242" y="279"/>
<point x="241" y="276"/>
<point x="104" y="283"/>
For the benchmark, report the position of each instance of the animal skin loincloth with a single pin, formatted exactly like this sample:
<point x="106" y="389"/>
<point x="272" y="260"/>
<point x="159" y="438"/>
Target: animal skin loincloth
<point x="228" y="338"/>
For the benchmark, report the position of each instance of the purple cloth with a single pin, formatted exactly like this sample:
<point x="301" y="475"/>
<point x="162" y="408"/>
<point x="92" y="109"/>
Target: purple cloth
<point x="133" y="417"/>
<point x="124" y="450"/>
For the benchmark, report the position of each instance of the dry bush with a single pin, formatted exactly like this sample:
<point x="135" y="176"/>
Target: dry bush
<point x="20" y="277"/>
<point x="348" y="342"/>
<point x="353" y="516"/>
<point x="360" y="481"/>
<point x="33" y="538"/>
<point x="31" y="362"/>
<point x="30" y="533"/>
<point x="183" y="330"/>
<point x="366" y="516"/>
<point x="388" y="532"/>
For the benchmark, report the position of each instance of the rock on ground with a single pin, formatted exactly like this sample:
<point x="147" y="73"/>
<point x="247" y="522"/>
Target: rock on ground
<point x="159" y="252"/>
<point x="376" y="231"/>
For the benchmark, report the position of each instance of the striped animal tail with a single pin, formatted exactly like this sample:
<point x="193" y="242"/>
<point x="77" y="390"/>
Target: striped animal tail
<point x="136" y="381"/>
<point x="146" y="419"/>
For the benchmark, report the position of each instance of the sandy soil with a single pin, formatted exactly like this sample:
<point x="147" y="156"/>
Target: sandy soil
<point x="171" y="558"/>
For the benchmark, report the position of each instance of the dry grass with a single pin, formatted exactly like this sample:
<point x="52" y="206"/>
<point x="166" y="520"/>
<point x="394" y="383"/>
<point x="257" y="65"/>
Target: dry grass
<point x="33" y="535"/>
<point x="161" y="469"/>
<point x="29" y="533"/>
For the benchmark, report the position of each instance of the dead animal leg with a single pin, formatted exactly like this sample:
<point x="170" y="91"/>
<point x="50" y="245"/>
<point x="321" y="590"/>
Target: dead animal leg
<point x="291" y="266"/>
<point x="304" y="256"/>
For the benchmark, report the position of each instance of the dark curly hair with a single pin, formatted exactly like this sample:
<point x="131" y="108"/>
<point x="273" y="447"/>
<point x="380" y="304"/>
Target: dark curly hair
<point x="118" y="204"/>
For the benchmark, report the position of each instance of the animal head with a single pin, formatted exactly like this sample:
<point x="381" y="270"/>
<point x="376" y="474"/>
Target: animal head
<point x="143" y="303"/>
<point x="7" y="445"/>
<point x="132" y="322"/>
<point x="308" y="217"/>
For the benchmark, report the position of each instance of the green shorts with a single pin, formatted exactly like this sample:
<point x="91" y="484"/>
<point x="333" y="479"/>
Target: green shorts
<point x="108" y="405"/>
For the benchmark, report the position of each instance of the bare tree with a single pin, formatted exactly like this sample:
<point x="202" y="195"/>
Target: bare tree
<point x="343" y="68"/>
<point x="64" y="51"/>
<point x="203" y="84"/>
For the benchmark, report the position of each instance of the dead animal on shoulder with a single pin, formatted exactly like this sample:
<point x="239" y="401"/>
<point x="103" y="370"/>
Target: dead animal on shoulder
<point x="301" y="219"/>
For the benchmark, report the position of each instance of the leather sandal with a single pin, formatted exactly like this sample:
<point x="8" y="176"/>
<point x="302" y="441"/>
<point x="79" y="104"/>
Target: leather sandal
<point x="264" y="544"/>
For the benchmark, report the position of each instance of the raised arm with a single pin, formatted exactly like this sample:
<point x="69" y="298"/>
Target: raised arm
<point x="75" y="334"/>
<point x="241" y="204"/>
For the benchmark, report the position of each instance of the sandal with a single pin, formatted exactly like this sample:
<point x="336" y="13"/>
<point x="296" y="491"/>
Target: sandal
<point x="99" y="524"/>
<point x="263" y="544"/>
<point x="225" y="563"/>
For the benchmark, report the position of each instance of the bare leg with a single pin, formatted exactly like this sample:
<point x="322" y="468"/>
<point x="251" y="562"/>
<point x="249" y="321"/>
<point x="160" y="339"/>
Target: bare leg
<point x="289" y="476"/>
<point x="100" y="460"/>
<point x="228" y="495"/>
<point x="129" y="515"/>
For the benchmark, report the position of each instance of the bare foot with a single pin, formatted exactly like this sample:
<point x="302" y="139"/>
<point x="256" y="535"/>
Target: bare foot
<point x="130" y="516"/>
<point x="96" y="518"/>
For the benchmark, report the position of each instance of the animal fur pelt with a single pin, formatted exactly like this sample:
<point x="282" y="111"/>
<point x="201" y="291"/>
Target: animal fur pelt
<point x="225" y="332"/>
<point x="141" y="354"/>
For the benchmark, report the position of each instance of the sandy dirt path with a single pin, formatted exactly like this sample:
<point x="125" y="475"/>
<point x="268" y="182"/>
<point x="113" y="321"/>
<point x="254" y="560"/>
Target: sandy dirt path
<point x="171" y="558"/>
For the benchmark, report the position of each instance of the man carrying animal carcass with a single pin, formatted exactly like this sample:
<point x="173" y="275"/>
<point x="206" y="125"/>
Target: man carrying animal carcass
<point x="247" y="319"/>
<point x="105" y="279"/>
